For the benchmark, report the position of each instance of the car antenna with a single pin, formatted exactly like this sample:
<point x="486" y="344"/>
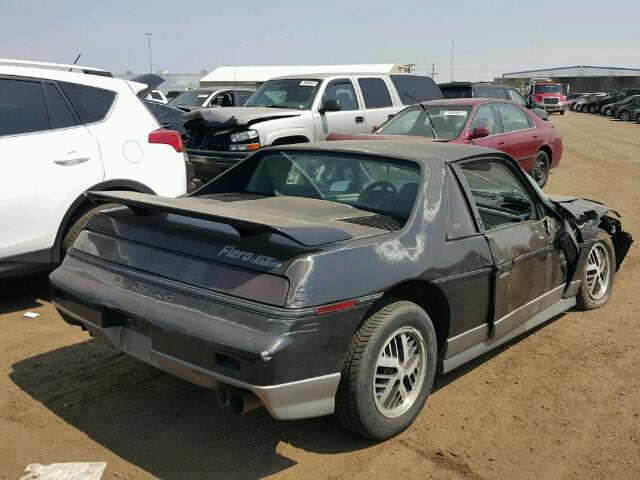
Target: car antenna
<point x="76" y="60"/>
<point x="425" y="111"/>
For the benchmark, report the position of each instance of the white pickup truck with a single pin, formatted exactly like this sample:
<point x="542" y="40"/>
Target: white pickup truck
<point x="297" y="109"/>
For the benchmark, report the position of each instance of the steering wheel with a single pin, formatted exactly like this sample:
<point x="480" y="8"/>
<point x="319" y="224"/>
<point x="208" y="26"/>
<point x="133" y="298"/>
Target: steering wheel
<point x="378" y="199"/>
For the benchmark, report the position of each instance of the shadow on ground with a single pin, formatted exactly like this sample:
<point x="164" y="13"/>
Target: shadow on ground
<point x="22" y="293"/>
<point x="170" y="428"/>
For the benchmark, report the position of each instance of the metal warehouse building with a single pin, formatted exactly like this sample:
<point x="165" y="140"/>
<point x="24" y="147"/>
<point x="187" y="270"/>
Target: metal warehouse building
<point x="580" y="78"/>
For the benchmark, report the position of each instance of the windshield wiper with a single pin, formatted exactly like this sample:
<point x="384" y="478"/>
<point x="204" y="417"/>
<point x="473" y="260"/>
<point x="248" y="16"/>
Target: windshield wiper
<point x="424" y="109"/>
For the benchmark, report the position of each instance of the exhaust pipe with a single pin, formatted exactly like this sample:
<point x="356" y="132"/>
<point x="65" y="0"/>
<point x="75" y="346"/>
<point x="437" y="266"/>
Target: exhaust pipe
<point x="243" y="402"/>
<point x="222" y="396"/>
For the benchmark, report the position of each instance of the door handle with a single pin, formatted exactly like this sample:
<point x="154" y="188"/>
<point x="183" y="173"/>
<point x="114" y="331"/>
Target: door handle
<point x="71" y="161"/>
<point x="535" y="136"/>
<point x="359" y="119"/>
<point x="501" y="143"/>
<point x="72" y="158"/>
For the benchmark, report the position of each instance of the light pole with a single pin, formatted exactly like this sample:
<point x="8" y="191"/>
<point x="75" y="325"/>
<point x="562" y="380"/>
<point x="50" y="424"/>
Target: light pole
<point x="149" y="39"/>
<point x="453" y="44"/>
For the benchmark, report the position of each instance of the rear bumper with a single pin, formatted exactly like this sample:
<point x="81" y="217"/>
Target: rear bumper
<point x="209" y="164"/>
<point x="289" y="360"/>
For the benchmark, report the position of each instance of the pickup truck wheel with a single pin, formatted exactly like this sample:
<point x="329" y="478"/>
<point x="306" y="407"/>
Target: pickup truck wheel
<point x="541" y="167"/>
<point x="598" y="274"/>
<point x="77" y="224"/>
<point x="625" y="116"/>
<point x="388" y="371"/>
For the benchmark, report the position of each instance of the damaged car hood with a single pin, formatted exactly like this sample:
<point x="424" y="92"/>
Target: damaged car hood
<point x="579" y="207"/>
<point x="233" y="116"/>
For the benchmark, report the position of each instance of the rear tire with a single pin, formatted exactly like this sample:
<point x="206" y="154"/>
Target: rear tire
<point x="77" y="224"/>
<point x="598" y="275"/>
<point x="624" y="116"/>
<point x="388" y="371"/>
<point x="541" y="167"/>
<point x="593" y="109"/>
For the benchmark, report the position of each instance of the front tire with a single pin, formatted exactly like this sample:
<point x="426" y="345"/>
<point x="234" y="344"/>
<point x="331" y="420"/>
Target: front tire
<point x="624" y="116"/>
<point x="598" y="275"/>
<point x="593" y="109"/>
<point x="388" y="371"/>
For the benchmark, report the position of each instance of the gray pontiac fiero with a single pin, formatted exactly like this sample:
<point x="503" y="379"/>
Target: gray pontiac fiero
<point x="337" y="277"/>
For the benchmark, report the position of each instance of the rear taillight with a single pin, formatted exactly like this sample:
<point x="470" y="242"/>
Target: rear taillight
<point x="166" y="137"/>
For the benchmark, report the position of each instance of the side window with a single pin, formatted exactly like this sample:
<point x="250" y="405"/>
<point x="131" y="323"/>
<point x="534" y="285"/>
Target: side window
<point x="513" y="119"/>
<point x="224" y="99"/>
<point x="486" y="117"/>
<point x="22" y="107"/>
<point x="60" y="115"/>
<point x="91" y="104"/>
<point x="498" y="194"/>
<point x="343" y="92"/>
<point x="375" y="93"/>
<point x="156" y="95"/>
<point x="516" y="97"/>
<point x="459" y="221"/>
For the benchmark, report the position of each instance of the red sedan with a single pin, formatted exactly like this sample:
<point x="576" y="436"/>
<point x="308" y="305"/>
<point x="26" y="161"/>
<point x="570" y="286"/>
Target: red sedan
<point x="536" y="144"/>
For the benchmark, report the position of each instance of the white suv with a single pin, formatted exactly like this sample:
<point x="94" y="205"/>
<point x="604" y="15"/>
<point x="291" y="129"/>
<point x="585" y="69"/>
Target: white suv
<point x="63" y="133"/>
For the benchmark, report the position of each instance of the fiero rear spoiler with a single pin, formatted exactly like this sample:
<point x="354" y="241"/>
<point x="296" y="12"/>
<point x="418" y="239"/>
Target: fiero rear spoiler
<point x="244" y="221"/>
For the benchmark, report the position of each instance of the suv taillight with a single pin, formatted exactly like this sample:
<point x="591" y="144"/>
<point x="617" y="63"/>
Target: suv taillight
<point x="166" y="137"/>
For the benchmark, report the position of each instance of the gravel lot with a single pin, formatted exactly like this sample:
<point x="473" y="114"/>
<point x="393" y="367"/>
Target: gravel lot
<point x="560" y="402"/>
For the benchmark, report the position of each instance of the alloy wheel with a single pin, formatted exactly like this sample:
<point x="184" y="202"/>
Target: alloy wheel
<point x="624" y="116"/>
<point x="540" y="172"/>
<point x="400" y="372"/>
<point x="598" y="271"/>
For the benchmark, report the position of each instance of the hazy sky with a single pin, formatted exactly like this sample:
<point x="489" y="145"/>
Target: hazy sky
<point x="491" y="37"/>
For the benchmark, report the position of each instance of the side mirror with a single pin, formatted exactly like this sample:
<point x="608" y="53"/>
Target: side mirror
<point x="330" y="105"/>
<point x="478" y="132"/>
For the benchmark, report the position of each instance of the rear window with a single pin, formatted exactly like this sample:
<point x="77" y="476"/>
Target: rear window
<point x="415" y="88"/>
<point x="462" y="91"/>
<point x="22" y="107"/>
<point x="383" y="186"/>
<point x="90" y="103"/>
<point x="375" y="93"/>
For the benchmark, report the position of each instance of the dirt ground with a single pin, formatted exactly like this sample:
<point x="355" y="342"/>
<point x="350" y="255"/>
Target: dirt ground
<point x="560" y="402"/>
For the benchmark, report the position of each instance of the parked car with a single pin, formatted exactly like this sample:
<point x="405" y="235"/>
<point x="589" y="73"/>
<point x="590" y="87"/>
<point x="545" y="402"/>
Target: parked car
<point x="298" y="109"/>
<point x="211" y="97"/>
<point x="156" y="96"/>
<point x="489" y="90"/>
<point x="68" y="132"/>
<point x="337" y="277"/>
<point x="547" y="94"/>
<point x="597" y="104"/>
<point x="622" y="110"/>
<point x="634" y="113"/>
<point x="581" y="105"/>
<point x="536" y="145"/>
<point x="574" y="97"/>
<point x="168" y="116"/>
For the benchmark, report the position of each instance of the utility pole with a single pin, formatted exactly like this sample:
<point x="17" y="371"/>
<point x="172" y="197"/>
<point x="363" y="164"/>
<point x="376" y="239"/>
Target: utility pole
<point x="433" y="70"/>
<point x="149" y="39"/>
<point x="453" y="44"/>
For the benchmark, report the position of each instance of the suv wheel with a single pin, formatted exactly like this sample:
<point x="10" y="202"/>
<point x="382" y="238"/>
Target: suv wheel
<point x="388" y="371"/>
<point x="541" y="168"/>
<point x="77" y="224"/>
<point x="625" y="116"/>
<point x="598" y="274"/>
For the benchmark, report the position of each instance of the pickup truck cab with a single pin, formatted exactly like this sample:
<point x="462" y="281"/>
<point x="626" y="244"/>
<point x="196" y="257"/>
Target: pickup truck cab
<point x="299" y="109"/>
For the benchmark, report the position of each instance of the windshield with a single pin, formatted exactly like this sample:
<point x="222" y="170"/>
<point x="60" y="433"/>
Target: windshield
<point x="548" y="88"/>
<point x="446" y="121"/>
<point x="384" y="186"/>
<point x="293" y="94"/>
<point x="192" y="98"/>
